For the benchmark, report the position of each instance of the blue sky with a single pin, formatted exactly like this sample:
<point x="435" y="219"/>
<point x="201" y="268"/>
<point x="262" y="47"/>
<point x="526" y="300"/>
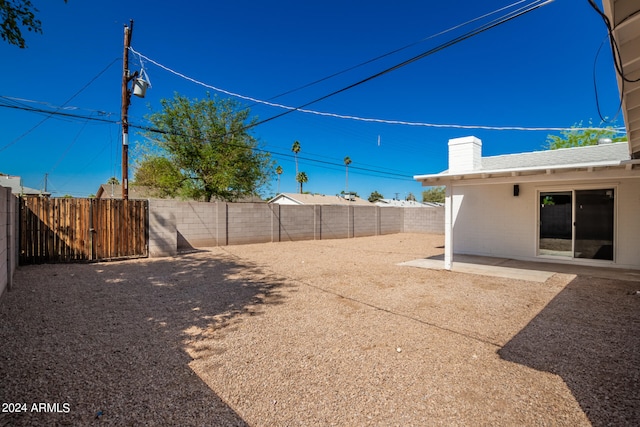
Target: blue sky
<point x="534" y="71"/>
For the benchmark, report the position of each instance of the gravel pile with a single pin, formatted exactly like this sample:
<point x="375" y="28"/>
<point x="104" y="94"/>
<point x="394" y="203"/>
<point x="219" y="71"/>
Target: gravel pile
<point x="315" y="333"/>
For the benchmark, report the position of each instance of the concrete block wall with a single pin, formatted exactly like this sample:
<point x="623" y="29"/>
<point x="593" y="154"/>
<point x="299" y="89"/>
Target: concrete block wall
<point x="178" y="225"/>
<point x="8" y="238"/>
<point x="163" y="235"/>
<point x="248" y="223"/>
<point x="297" y="222"/>
<point x="196" y="224"/>
<point x="423" y="220"/>
<point x="365" y="220"/>
<point x="335" y="222"/>
<point x="392" y="220"/>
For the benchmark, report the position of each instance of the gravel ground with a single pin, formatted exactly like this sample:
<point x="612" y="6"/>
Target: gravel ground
<point x="315" y="333"/>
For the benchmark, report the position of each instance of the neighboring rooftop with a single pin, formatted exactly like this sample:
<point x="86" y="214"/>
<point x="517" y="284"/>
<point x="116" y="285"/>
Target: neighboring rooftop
<point x="114" y="191"/>
<point x="406" y="203"/>
<point x="317" y="199"/>
<point x="15" y="183"/>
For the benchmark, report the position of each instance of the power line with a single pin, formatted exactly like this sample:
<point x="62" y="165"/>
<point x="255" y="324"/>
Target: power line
<point x="615" y="50"/>
<point x="63" y="104"/>
<point x="392" y="52"/>
<point x="275" y="153"/>
<point x="289" y="109"/>
<point x="56" y="113"/>
<point x="443" y="46"/>
<point x="66" y="151"/>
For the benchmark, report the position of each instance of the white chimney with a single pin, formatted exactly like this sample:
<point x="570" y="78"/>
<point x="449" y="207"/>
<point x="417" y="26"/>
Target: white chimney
<point x="465" y="154"/>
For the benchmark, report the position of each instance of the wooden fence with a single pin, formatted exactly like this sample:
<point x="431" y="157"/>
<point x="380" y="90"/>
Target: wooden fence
<point x="69" y="229"/>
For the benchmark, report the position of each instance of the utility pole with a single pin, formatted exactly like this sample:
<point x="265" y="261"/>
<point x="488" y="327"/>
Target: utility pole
<point x="126" y="100"/>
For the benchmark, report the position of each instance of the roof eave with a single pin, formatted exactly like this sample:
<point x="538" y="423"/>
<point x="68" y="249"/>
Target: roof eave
<point x="492" y="173"/>
<point x="626" y="31"/>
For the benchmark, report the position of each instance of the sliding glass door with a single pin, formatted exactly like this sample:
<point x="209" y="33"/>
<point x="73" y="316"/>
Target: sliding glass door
<point x="577" y="224"/>
<point x="556" y="230"/>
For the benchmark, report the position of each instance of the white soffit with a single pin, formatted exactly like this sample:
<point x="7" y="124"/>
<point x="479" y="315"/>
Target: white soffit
<point x="626" y="31"/>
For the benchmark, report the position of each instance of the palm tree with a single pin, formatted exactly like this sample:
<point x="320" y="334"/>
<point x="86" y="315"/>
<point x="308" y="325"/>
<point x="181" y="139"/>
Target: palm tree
<point x="296" y="149"/>
<point x="347" y="162"/>
<point x="279" y="172"/>
<point x="113" y="181"/>
<point x="301" y="177"/>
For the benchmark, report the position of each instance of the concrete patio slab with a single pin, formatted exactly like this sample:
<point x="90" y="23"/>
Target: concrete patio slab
<point x="520" y="270"/>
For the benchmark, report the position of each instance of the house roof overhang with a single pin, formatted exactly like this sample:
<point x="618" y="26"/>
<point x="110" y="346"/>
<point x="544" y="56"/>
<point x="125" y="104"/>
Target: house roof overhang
<point x="632" y="166"/>
<point x="284" y="196"/>
<point x="624" y="16"/>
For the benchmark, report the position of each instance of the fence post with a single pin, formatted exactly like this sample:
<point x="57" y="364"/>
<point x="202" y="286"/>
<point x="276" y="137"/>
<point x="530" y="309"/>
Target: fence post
<point x="222" y="224"/>
<point x="317" y="219"/>
<point x="275" y="222"/>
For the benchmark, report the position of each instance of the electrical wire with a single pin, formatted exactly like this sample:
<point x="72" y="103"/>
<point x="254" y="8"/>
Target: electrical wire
<point x="595" y="90"/>
<point x="392" y="52"/>
<point x="290" y="109"/>
<point x="372" y="120"/>
<point x="63" y="104"/>
<point x="615" y="50"/>
<point x="443" y="46"/>
<point x="66" y="151"/>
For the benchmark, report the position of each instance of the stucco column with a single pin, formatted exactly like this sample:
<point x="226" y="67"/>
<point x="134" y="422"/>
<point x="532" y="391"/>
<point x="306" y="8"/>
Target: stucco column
<point x="448" y="226"/>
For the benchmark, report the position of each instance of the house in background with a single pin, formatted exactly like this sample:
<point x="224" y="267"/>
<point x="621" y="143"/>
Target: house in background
<point x="114" y="191"/>
<point x="318" y="199"/>
<point x="574" y="205"/>
<point x="15" y="183"/>
<point x="406" y="204"/>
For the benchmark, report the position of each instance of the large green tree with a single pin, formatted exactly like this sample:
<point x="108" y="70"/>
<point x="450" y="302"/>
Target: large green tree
<point x="434" y="195"/>
<point x="16" y="15"/>
<point x="577" y="137"/>
<point x="375" y="196"/>
<point x="202" y="149"/>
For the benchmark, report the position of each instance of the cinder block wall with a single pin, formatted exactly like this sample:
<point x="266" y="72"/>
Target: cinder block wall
<point x="364" y="220"/>
<point x="247" y="222"/>
<point x="176" y="225"/>
<point x="163" y="236"/>
<point x="392" y="220"/>
<point x="8" y="236"/>
<point x="297" y="222"/>
<point x="421" y="220"/>
<point x="334" y="222"/>
<point x="197" y="224"/>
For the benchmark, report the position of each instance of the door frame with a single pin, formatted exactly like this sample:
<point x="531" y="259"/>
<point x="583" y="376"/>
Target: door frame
<point x="573" y="188"/>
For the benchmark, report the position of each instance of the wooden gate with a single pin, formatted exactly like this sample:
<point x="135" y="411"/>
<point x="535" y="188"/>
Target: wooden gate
<point x="69" y="229"/>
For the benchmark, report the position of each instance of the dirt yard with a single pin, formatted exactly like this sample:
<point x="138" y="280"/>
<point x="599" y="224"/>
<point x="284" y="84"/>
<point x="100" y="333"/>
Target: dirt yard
<point x="315" y="333"/>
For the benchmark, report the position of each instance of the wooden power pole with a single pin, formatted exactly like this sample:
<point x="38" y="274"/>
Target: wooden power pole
<point x="126" y="100"/>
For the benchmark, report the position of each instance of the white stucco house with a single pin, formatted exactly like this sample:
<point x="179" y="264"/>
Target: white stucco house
<point x="575" y="205"/>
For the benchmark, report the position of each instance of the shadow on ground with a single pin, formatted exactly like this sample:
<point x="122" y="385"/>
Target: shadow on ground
<point x="589" y="335"/>
<point x="113" y="340"/>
